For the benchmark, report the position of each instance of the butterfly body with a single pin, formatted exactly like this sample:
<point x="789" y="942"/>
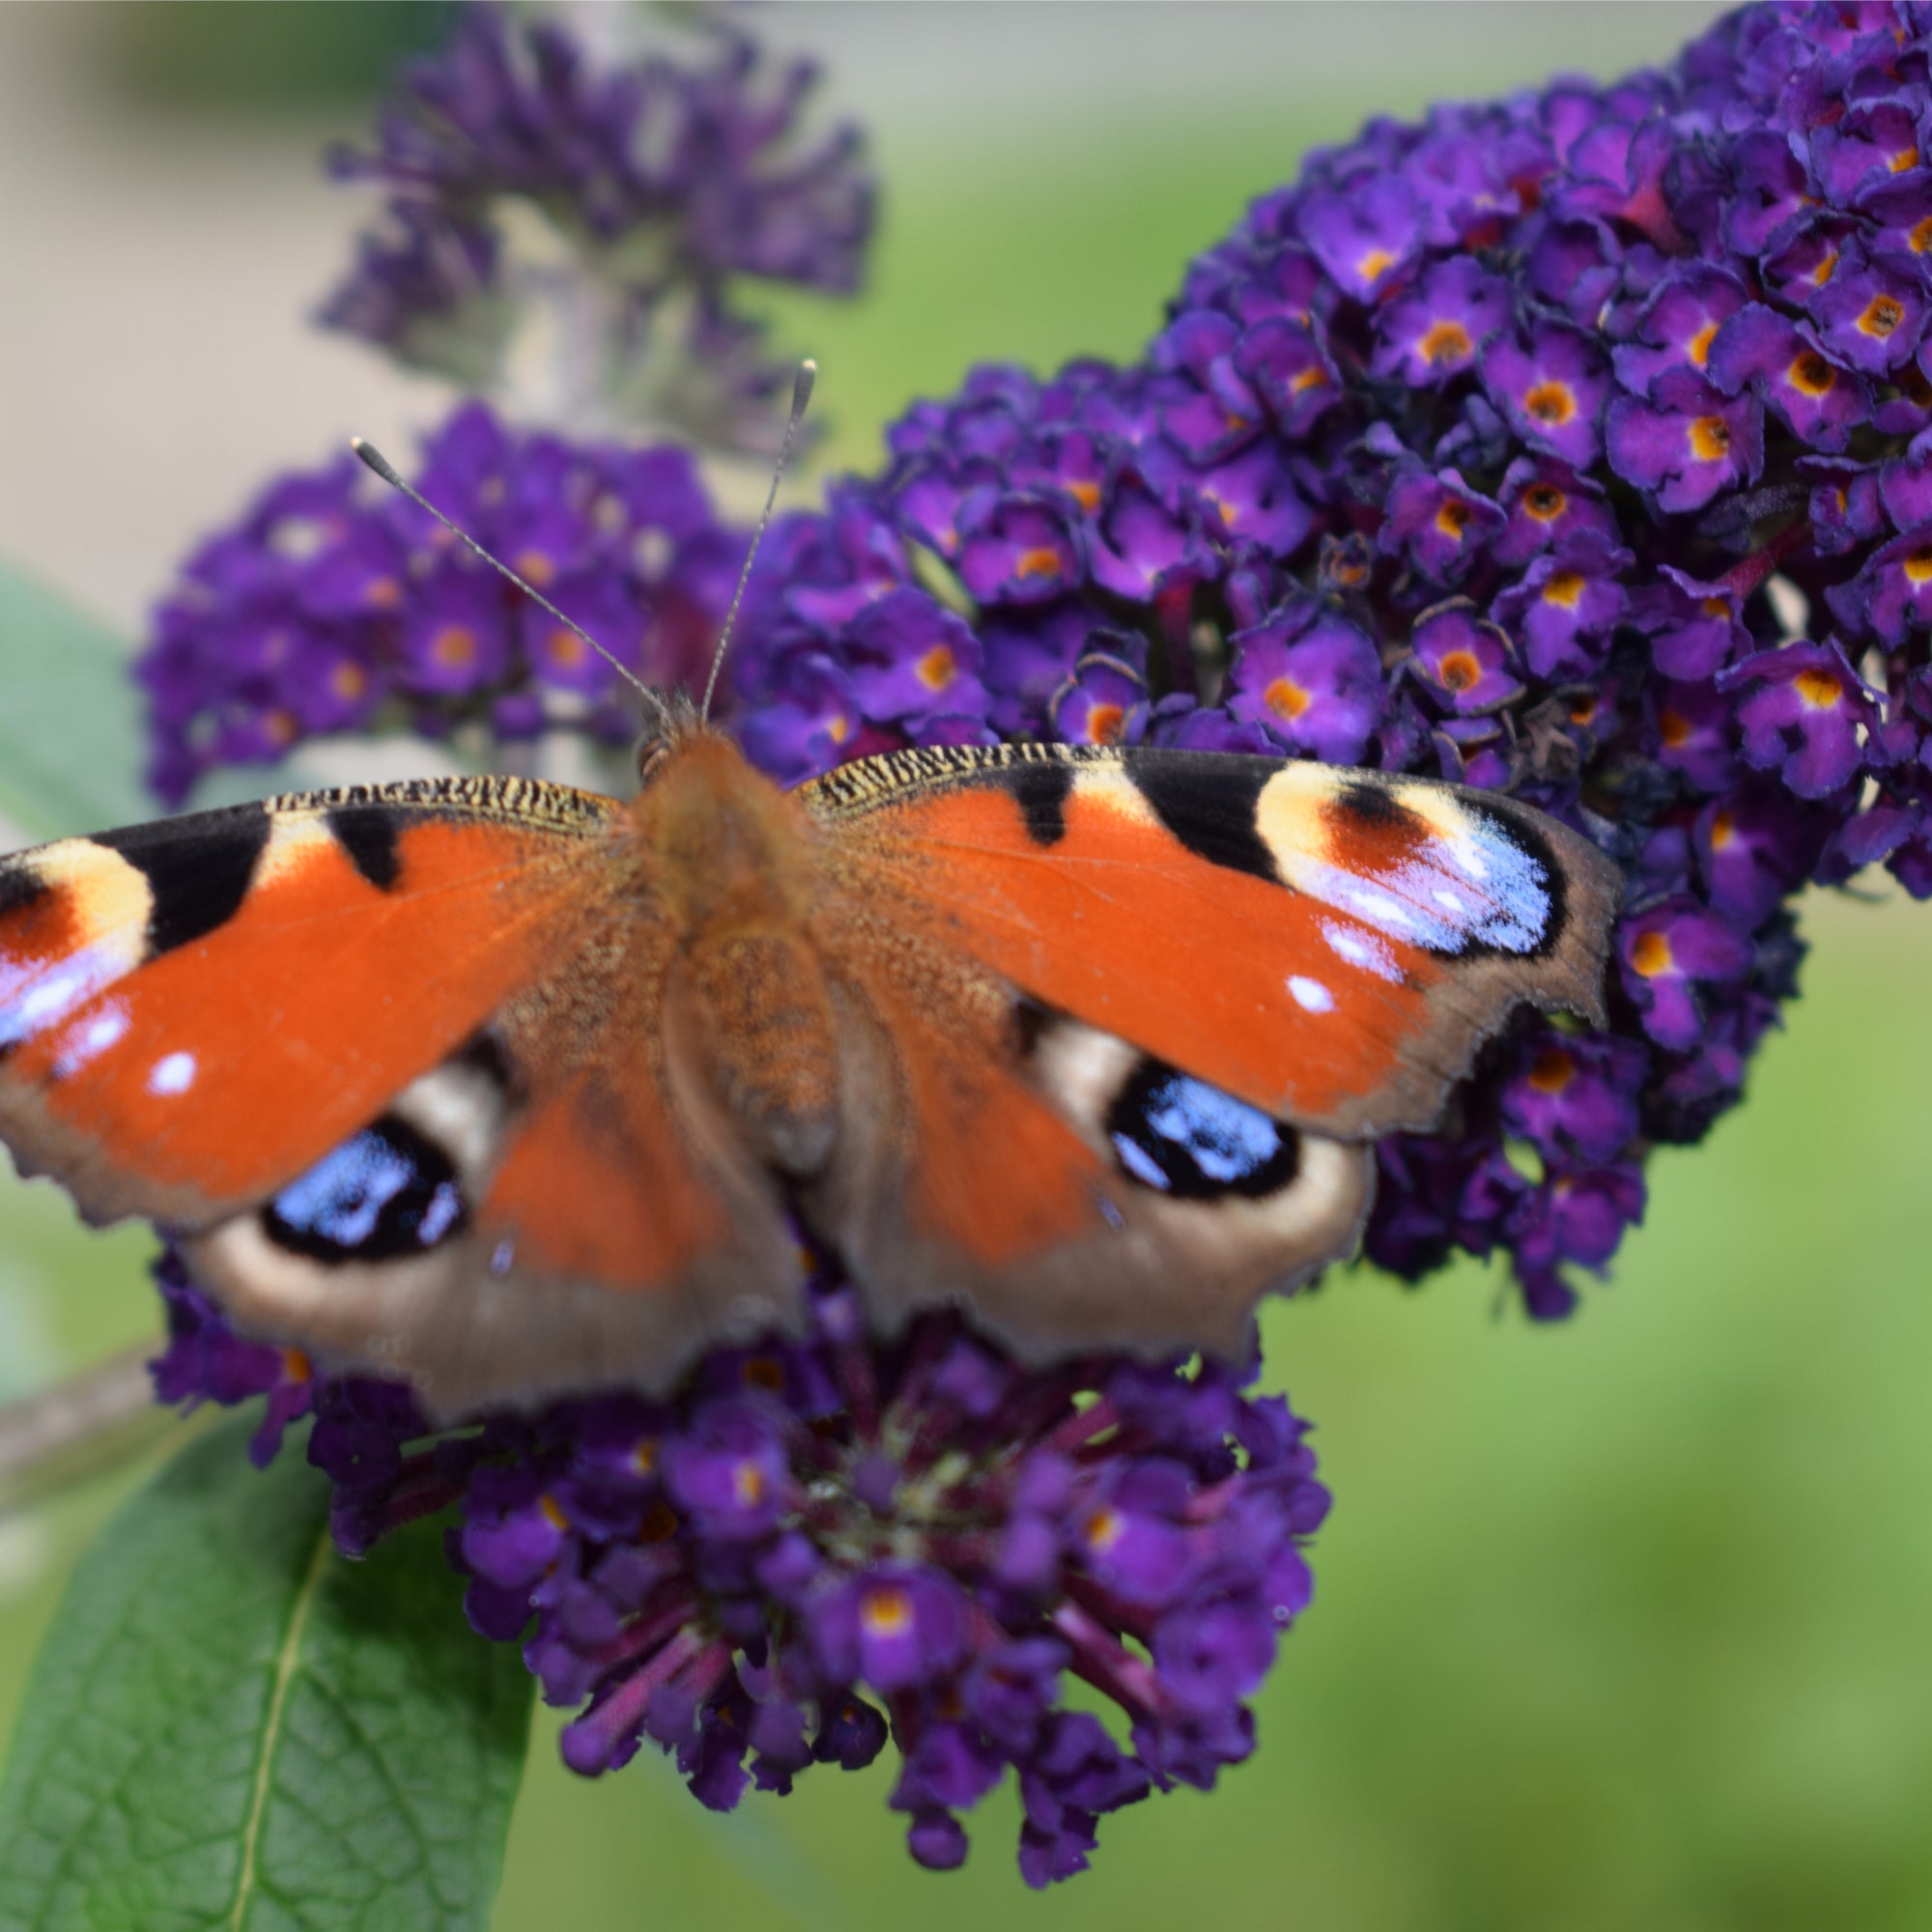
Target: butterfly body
<point x="516" y="1089"/>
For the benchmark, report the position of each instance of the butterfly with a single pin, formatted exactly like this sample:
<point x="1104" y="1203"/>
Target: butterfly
<point x="515" y="1090"/>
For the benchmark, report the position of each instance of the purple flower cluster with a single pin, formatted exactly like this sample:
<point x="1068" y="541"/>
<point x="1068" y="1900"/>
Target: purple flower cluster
<point x="1577" y="445"/>
<point x="335" y="604"/>
<point x="820" y="1546"/>
<point x="663" y="180"/>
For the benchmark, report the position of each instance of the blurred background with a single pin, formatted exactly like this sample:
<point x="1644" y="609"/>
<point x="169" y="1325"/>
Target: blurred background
<point x="1617" y="1623"/>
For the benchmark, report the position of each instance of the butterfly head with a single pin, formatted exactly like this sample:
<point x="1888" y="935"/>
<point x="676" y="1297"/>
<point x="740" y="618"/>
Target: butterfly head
<point x="675" y="720"/>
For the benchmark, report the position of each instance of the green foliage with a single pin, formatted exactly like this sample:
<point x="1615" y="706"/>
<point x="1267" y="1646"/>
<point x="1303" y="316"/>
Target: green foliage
<point x="70" y="730"/>
<point x="231" y="1725"/>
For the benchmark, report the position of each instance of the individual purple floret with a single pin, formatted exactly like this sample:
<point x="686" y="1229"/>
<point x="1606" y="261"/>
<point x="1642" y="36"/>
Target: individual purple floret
<point x="667" y="180"/>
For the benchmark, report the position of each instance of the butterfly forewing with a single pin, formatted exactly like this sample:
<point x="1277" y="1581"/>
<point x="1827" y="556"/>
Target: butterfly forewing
<point x="1331" y="945"/>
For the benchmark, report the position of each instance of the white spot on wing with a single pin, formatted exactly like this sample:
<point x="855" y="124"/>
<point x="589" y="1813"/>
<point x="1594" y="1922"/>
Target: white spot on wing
<point x="1311" y="995"/>
<point x="89" y="1042"/>
<point x="1361" y="948"/>
<point x="173" y="1073"/>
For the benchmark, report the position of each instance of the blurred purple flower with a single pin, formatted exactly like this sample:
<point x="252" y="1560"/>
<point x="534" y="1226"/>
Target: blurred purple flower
<point x="668" y="180"/>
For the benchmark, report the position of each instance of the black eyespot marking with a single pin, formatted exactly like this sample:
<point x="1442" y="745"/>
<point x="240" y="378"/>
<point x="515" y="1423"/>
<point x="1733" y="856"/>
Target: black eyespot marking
<point x="1041" y="787"/>
<point x="198" y="882"/>
<point x="367" y="832"/>
<point x="485" y="1054"/>
<point x="1030" y="1021"/>
<point x="1182" y="1136"/>
<point x="20" y="887"/>
<point x="385" y="1194"/>
<point x="1376" y="804"/>
<point x="1210" y="801"/>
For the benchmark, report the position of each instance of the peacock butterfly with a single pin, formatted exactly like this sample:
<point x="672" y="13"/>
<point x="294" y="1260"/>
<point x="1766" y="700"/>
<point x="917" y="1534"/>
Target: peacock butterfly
<point x="513" y="1090"/>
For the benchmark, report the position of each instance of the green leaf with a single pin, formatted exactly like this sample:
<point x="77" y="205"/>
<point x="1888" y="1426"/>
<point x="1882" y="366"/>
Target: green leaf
<point x="71" y="750"/>
<point x="231" y="1727"/>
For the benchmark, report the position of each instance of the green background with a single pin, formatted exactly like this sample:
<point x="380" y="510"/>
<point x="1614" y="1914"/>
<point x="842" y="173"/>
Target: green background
<point x="1619" y="1623"/>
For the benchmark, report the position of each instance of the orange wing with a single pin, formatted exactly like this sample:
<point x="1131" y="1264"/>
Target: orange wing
<point x="1330" y="946"/>
<point x="391" y="1059"/>
<point x="192" y="1012"/>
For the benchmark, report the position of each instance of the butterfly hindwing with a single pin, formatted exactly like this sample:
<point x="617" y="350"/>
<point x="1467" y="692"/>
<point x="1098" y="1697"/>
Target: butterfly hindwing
<point x="521" y="1222"/>
<point x="1070" y="1191"/>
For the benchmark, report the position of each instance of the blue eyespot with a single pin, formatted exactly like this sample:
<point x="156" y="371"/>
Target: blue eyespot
<point x="1175" y="1133"/>
<point x="384" y="1193"/>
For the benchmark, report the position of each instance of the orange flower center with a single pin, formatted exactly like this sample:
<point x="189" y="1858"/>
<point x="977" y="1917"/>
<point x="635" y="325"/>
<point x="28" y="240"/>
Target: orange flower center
<point x="1373" y="263"/>
<point x="565" y="648"/>
<point x="1288" y="700"/>
<point x="1551" y="404"/>
<point x="1710" y="438"/>
<point x="937" y="667"/>
<point x="1723" y="829"/>
<point x="1921" y="238"/>
<point x="1819" y="688"/>
<point x="1812" y="374"/>
<point x="1553" y="1070"/>
<point x="1446" y="342"/>
<point x="1086" y="493"/>
<point x="886" y="1613"/>
<point x="454" y="646"/>
<point x="1918" y="563"/>
<point x="1673" y="728"/>
<point x="1042" y="560"/>
<point x="748" y="1483"/>
<point x="1883" y="314"/>
<point x="1102" y="1529"/>
<point x="1698" y="348"/>
<point x="1460" y="672"/>
<point x="1452" y="517"/>
<point x="1105" y="724"/>
<point x="349" y="681"/>
<point x="1563" y="588"/>
<point x="534" y="567"/>
<point x="1651" y="955"/>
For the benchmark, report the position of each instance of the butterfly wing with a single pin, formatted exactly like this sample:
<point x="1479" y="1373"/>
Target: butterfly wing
<point x="1229" y="971"/>
<point x="389" y="1059"/>
<point x="1331" y="945"/>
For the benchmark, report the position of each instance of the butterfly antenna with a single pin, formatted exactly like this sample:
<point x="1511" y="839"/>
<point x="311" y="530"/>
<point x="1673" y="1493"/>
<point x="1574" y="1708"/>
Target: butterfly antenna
<point x="384" y="468"/>
<point x="800" y="394"/>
